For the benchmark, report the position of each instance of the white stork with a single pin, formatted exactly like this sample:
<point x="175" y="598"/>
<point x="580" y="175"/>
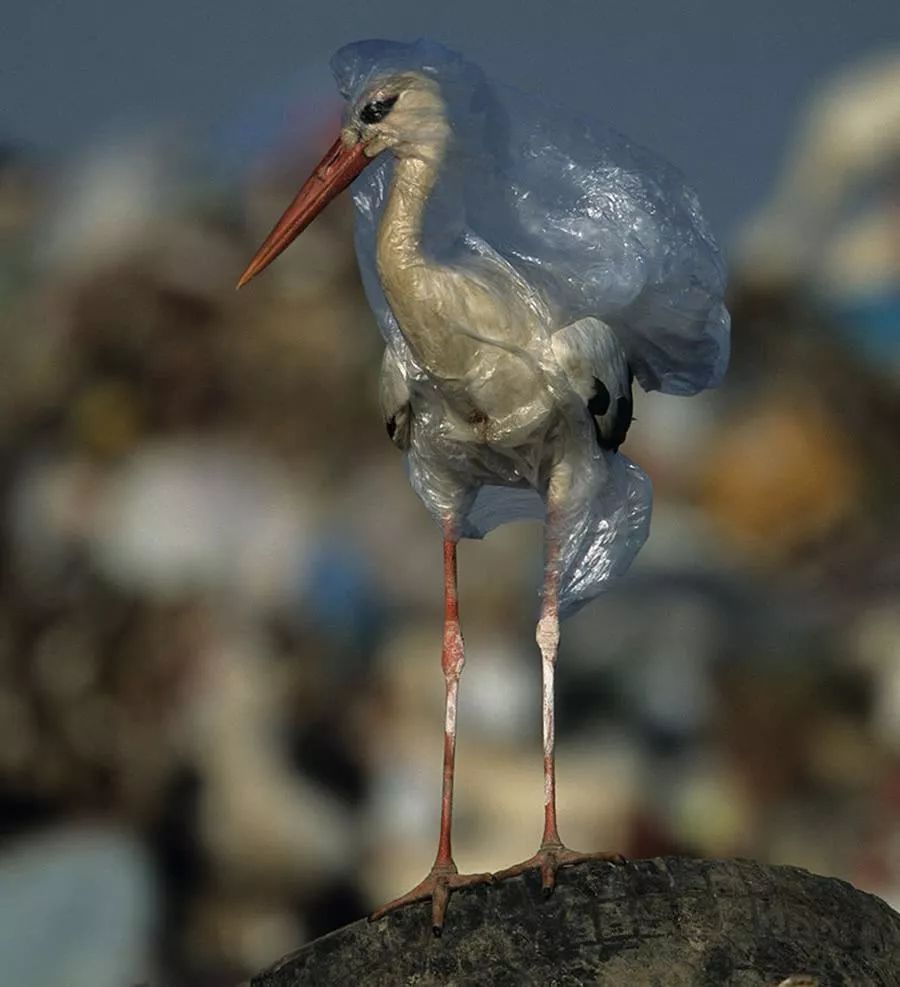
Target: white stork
<point x="485" y="390"/>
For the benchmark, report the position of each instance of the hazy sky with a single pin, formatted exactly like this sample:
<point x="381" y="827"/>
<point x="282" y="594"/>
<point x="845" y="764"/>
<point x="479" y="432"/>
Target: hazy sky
<point x="715" y="85"/>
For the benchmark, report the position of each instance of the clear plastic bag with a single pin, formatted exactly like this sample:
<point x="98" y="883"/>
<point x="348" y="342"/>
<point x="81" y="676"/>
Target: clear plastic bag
<point x="591" y="247"/>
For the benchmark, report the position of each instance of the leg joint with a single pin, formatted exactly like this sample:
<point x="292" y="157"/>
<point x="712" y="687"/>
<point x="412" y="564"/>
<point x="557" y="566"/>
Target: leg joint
<point x="547" y="636"/>
<point x="453" y="654"/>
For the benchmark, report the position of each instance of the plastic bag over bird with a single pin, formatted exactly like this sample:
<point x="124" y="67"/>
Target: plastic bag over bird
<point x="597" y="226"/>
<point x="602" y="226"/>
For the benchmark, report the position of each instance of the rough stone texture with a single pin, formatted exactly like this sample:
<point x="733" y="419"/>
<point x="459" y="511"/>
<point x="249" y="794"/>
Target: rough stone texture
<point x="661" y="923"/>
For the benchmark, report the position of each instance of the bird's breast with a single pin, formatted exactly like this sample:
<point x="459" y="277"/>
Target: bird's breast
<point x="474" y="338"/>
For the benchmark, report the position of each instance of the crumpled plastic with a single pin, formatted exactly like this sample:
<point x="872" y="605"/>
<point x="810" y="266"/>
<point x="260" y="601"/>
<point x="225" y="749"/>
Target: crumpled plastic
<point x="588" y="226"/>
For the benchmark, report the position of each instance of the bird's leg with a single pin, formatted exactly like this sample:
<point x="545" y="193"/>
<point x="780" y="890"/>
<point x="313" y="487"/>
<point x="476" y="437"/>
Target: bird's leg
<point x="547" y="637"/>
<point x="552" y="853"/>
<point x="444" y="876"/>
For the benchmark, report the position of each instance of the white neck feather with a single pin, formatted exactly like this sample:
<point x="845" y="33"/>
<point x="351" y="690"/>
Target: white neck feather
<point x="400" y="230"/>
<point x="414" y="283"/>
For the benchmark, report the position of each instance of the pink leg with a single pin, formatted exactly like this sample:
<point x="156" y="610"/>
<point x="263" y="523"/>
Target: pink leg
<point x="552" y="853"/>
<point x="548" y="642"/>
<point x="444" y="876"/>
<point x="453" y="658"/>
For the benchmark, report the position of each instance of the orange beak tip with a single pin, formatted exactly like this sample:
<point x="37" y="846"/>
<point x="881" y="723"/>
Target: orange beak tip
<point x="333" y="174"/>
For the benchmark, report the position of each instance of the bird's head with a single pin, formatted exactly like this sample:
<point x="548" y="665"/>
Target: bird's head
<point x="403" y="113"/>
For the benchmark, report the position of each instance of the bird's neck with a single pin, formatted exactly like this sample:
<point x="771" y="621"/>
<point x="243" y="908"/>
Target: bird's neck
<point x="400" y="232"/>
<point x="413" y="282"/>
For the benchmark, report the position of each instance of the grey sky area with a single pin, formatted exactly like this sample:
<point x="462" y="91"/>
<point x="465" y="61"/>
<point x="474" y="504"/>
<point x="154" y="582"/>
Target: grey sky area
<point x="714" y="85"/>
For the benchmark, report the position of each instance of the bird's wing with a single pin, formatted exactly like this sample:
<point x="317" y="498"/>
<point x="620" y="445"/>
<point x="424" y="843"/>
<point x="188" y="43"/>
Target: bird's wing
<point x="592" y="358"/>
<point x="395" y="405"/>
<point x="604" y="228"/>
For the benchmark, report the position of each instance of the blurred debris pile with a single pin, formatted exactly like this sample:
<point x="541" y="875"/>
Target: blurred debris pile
<point x="219" y="626"/>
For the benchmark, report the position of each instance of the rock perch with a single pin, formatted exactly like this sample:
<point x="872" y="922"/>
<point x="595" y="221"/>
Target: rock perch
<point x="665" y="922"/>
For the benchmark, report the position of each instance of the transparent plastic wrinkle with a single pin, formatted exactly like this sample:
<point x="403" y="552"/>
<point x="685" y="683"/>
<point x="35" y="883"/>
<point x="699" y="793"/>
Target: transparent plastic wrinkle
<point x="590" y="225"/>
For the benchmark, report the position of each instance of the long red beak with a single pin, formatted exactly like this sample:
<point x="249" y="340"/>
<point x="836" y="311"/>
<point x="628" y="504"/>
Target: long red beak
<point x="331" y="176"/>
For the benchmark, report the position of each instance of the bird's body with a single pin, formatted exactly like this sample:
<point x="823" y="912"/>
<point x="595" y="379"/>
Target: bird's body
<point x="470" y="325"/>
<point x="489" y="378"/>
<point x="480" y="386"/>
<point x="523" y="273"/>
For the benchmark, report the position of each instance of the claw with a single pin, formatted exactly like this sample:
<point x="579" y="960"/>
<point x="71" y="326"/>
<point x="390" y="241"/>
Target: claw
<point x="549" y="859"/>
<point x="438" y="886"/>
<point x="439" y="898"/>
<point x="548" y="874"/>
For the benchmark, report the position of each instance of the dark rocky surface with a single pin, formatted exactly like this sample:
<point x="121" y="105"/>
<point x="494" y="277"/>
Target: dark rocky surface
<point x="664" y="922"/>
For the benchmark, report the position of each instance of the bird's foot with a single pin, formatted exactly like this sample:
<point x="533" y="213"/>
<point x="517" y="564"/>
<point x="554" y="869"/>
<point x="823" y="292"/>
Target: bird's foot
<point x="443" y="879"/>
<point x="549" y="858"/>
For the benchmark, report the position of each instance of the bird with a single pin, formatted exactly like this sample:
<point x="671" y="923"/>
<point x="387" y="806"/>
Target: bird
<point x="525" y="270"/>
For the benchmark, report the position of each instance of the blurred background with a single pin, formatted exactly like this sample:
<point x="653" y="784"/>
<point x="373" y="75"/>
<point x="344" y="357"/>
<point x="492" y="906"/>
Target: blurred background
<point x="220" y="617"/>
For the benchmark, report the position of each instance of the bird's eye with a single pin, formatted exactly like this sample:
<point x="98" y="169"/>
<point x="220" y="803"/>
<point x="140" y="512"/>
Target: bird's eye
<point x="377" y="110"/>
